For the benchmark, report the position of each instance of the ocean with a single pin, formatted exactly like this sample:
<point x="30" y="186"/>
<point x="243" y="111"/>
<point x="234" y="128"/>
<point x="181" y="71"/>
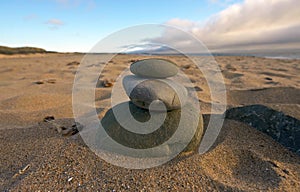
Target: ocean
<point x="273" y="55"/>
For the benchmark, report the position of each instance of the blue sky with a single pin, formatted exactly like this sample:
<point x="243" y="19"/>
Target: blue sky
<point x="77" y="25"/>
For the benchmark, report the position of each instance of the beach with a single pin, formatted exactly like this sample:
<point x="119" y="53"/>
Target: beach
<point x="35" y="156"/>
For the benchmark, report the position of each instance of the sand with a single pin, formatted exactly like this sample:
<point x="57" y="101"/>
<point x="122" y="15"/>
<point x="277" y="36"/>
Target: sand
<point x="35" y="157"/>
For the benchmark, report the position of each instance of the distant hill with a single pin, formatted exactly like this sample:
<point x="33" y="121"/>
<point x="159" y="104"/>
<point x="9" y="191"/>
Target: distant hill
<point x="20" y="50"/>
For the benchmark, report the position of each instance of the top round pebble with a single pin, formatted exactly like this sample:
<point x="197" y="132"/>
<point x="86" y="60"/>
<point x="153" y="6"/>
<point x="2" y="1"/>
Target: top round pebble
<point x="154" y="68"/>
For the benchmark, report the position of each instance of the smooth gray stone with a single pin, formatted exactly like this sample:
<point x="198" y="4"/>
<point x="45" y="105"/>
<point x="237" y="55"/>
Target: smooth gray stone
<point x="154" y="68"/>
<point x="190" y="135"/>
<point x="142" y="92"/>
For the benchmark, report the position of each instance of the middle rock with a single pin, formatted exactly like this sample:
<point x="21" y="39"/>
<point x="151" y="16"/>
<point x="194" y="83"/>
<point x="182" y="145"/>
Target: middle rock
<point x="142" y="92"/>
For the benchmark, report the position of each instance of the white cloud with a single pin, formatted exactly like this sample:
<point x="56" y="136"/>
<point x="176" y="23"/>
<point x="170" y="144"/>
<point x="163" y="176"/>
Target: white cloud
<point x="55" y="22"/>
<point x="253" y="24"/>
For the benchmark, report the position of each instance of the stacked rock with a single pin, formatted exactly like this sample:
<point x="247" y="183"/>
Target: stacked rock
<point x="151" y="92"/>
<point x="150" y="85"/>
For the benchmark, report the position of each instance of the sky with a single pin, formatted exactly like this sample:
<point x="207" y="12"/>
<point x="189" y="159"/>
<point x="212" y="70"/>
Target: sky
<point x="78" y="25"/>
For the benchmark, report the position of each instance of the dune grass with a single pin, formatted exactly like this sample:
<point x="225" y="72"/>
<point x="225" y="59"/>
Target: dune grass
<point x="20" y="50"/>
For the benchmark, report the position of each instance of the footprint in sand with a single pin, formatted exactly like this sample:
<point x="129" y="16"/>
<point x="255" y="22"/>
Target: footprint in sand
<point x="51" y="81"/>
<point x="196" y="88"/>
<point x="231" y="75"/>
<point x="105" y="83"/>
<point x="270" y="81"/>
<point x="230" y="67"/>
<point x="64" y="131"/>
<point x="73" y="63"/>
<point x="275" y="74"/>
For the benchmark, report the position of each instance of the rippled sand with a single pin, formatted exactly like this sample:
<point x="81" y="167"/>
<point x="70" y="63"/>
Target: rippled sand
<point x="34" y="156"/>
